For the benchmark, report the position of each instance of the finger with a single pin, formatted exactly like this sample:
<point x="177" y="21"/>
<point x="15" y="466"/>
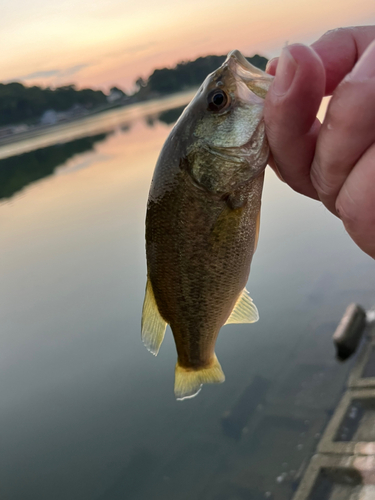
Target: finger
<point x="356" y="203"/>
<point x="347" y="132"/>
<point x="339" y="51"/>
<point x="275" y="168"/>
<point x="290" y="115"/>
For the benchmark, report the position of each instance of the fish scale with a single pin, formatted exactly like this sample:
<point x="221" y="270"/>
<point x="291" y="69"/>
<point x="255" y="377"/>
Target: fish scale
<point x="202" y="221"/>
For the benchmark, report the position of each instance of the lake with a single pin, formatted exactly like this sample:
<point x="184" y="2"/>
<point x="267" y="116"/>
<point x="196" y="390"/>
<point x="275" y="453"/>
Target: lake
<point x="87" y="413"/>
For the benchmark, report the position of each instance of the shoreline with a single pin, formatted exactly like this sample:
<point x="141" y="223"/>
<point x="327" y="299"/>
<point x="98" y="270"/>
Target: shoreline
<point x="92" y="124"/>
<point x="42" y="130"/>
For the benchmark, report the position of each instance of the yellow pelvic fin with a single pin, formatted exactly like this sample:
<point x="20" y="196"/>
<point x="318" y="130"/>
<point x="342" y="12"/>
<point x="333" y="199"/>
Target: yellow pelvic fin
<point x="245" y="311"/>
<point x="153" y="325"/>
<point x="189" y="382"/>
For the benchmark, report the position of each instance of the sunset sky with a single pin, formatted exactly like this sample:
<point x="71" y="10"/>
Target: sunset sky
<point x="100" y="43"/>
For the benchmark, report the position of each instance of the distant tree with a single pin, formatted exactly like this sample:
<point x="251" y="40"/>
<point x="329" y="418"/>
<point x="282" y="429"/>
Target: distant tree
<point x="140" y="82"/>
<point x="26" y="104"/>
<point x="116" y="89"/>
<point x="190" y="74"/>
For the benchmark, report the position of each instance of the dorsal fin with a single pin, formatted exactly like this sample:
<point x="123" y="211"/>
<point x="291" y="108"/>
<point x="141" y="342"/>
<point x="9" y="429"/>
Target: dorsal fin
<point x="153" y="325"/>
<point x="244" y="311"/>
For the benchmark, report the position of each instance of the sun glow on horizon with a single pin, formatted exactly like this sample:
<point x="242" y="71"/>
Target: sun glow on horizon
<point x="111" y="42"/>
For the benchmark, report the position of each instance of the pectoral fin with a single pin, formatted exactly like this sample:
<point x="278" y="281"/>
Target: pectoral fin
<point x="153" y="325"/>
<point x="245" y="311"/>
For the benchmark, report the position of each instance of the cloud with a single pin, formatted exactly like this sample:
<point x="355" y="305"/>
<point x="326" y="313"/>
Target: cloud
<point x="39" y="74"/>
<point x="73" y="70"/>
<point x="56" y="73"/>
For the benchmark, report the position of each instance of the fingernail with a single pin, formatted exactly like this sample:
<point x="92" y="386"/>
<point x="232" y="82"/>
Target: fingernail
<point x="365" y="67"/>
<point x="286" y="69"/>
<point x="271" y="62"/>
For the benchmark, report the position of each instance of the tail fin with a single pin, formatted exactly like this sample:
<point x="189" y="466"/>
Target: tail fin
<point x="189" y="382"/>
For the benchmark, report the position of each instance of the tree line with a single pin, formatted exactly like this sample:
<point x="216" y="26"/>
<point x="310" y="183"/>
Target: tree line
<point x="21" y="104"/>
<point x="187" y="74"/>
<point x="26" y="104"/>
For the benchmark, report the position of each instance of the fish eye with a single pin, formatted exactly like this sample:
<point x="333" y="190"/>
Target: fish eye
<point x="217" y="100"/>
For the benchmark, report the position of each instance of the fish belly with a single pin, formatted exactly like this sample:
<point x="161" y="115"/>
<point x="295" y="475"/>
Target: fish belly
<point x="199" y="251"/>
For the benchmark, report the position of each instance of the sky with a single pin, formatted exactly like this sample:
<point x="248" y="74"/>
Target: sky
<point x="102" y="43"/>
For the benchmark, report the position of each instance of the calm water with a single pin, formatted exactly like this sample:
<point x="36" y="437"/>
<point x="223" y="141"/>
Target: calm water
<point x="86" y="412"/>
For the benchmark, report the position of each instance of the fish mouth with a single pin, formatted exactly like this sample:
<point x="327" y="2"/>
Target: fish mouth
<point x="254" y="78"/>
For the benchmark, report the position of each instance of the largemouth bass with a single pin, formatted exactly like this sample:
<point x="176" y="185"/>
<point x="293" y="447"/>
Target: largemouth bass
<point x="202" y="221"/>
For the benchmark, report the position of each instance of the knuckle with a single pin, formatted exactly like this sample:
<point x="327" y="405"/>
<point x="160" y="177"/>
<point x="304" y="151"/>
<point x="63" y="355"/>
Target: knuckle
<point x="347" y="213"/>
<point x="341" y="114"/>
<point x="325" y="186"/>
<point x="355" y="211"/>
<point x="351" y="217"/>
<point x="352" y="107"/>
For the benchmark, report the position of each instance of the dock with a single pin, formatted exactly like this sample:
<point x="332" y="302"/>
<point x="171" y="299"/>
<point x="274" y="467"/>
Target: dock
<point x="344" y="466"/>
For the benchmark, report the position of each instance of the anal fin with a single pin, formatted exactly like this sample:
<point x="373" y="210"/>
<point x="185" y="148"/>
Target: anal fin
<point x="153" y="325"/>
<point x="244" y="311"/>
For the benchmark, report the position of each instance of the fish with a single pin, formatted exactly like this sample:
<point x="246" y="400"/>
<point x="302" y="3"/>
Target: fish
<point x="202" y="221"/>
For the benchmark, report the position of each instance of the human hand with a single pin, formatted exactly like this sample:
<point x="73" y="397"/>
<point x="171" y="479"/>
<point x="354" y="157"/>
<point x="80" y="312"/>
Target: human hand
<point x="333" y="161"/>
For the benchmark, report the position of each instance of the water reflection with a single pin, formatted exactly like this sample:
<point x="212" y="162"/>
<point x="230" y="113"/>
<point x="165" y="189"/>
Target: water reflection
<point x="132" y="478"/>
<point x="170" y="116"/>
<point x="95" y="124"/>
<point x="235" y="420"/>
<point x="86" y="412"/>
<point x="16" y="172"/>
